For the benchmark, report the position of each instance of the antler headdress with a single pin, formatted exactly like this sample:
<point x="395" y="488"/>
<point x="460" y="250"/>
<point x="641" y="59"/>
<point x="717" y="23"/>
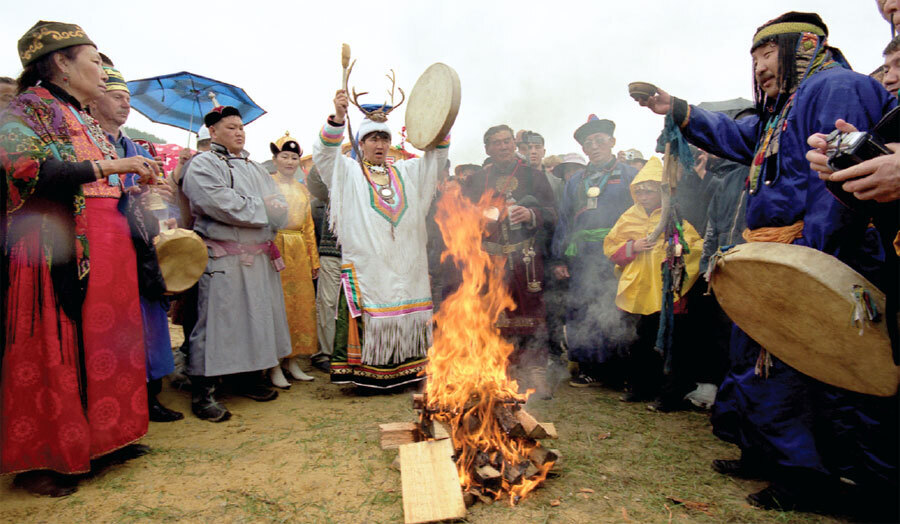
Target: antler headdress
<point x="379" y="114"/>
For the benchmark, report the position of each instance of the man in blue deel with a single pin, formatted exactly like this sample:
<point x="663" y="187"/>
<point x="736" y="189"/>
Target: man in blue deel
<point x="797" y="432"/>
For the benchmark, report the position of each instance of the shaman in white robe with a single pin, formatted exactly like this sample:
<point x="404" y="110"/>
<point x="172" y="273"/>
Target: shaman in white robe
<point x="241" y="324"/>
<point x="384" y="273"/>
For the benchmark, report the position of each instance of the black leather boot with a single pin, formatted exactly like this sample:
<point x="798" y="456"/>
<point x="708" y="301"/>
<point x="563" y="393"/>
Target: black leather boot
<point x="252" y="385"/>
<point x="47" y="483"/>
<point x="797" y="489"/>
<point x="203" y="404"/>
<point x="158" y="412"/>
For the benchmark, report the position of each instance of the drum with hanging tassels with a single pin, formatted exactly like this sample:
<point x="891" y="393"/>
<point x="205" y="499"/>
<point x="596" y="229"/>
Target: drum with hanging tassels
<point x="810" y="310"/>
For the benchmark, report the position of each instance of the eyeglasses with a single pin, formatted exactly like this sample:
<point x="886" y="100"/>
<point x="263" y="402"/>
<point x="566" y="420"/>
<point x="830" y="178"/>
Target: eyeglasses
<point x="598" y="141"/>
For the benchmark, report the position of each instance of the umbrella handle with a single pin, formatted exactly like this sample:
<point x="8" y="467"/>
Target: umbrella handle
<point x="190" y="127"/>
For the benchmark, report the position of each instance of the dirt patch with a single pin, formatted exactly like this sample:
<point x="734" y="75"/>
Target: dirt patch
<point x="313" y="455"/>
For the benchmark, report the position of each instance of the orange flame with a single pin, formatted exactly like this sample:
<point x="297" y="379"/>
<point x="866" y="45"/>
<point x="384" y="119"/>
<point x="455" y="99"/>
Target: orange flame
<point x="467" y="365"/>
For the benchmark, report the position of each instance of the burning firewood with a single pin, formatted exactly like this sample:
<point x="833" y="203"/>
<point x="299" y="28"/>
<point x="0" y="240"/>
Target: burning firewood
<point x="514" y="474"/>
<point x="439" y="430"/>
<point x="531" y="428"/>
<point x="470" y="402"/>
<point x="488" y="476"/>
<point x="541" y="455"/>
<point x="527" y="423"/>
<point x="508" y="421"/>
<point x="548" y="429"/>
<point x="494" y="472"/>
<point x="473" y="495"/>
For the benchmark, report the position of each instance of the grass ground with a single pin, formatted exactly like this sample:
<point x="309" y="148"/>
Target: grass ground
<point x="313" y="455"/>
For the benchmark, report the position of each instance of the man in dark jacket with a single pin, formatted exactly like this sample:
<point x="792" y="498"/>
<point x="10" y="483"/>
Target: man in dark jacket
<point x="519" y="234"/>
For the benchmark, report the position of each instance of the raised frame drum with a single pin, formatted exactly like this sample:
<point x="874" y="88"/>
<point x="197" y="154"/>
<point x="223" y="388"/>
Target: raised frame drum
<point x="432" y="106"/>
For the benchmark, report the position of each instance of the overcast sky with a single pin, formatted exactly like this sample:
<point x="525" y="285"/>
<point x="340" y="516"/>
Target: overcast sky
<point x="543" y="66"/>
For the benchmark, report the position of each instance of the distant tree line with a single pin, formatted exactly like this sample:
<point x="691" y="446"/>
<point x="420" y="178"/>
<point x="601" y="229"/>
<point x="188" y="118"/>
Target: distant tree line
<point x="142" y="135"/>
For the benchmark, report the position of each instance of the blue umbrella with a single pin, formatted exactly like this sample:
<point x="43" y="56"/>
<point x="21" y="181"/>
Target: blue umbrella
<point x="182" y="99"/>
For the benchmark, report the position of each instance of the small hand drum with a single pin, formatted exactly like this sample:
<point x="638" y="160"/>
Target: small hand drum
<point x="182" y="257"/>
<point x="432" y="107"/>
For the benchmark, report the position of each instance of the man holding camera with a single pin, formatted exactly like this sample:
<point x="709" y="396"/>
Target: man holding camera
<point x="802" y="85"/>
<point x="874" y="179"/>
<point x="518" y="232"/>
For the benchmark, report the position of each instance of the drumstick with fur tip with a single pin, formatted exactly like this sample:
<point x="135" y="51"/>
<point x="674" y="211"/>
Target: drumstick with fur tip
<point x="347" y="66"/>
<point x="345" y="63"/>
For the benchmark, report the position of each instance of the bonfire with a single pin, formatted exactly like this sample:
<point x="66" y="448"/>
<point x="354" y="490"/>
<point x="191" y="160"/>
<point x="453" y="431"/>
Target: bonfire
<point x="469" y="391"/>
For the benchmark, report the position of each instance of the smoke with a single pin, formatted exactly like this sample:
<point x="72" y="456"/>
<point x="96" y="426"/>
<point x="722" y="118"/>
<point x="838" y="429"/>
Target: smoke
<point x="595" y="329"/>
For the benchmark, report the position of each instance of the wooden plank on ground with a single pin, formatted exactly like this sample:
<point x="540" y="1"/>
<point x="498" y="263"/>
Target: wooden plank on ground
<point x="431" y="490"/>
<point x="397" y="433"/>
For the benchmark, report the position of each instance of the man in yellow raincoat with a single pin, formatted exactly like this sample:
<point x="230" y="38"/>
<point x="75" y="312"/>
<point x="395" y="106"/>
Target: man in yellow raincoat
<point x="639" y="261"/>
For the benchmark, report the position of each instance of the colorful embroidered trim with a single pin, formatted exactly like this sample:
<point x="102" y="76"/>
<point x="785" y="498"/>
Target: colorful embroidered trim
<point x="354" y="344"/>
<point x="397" y="309"/>
<point x="331" y="136"/>
<point x="393" y="213"/>
<point x="351" y="289"/>
<point x="340" y="368"/>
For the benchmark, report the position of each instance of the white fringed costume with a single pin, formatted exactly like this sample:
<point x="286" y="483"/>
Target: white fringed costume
<point x="384" y="272"/>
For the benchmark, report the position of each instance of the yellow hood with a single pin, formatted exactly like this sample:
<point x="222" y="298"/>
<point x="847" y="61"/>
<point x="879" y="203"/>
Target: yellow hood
<point x="640" y="281"/>
<point x="651" y="172"/>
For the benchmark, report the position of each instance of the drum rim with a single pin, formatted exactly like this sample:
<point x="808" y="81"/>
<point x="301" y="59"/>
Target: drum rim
<point x="774" y="253"/>
<point x="449" y="118"/>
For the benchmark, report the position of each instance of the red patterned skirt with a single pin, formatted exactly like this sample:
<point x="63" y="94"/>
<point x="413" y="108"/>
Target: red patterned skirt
<point x="43" y="424"/>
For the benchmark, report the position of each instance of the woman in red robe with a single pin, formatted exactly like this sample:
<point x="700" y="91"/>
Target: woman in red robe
<point x="72" y="379"/>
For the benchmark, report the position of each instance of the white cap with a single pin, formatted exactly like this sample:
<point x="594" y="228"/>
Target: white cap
<point x="570" y="159"/>
<point x="203" y="134"/>
<point x="573" y="158"/>
<point x="368" y="126"/>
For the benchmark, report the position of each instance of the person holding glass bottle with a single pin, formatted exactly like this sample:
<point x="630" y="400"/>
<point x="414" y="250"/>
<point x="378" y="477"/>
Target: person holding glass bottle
<point x="111" y="111"/>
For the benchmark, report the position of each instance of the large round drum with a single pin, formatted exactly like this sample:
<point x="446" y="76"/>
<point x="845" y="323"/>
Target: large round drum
<point x="182" y="258"/>
<point x="799" y="304"/>
<point x="432" y="107"/>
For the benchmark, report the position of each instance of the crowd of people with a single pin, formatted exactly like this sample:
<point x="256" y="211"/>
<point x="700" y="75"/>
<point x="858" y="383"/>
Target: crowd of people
<point x="340" y="263"/>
